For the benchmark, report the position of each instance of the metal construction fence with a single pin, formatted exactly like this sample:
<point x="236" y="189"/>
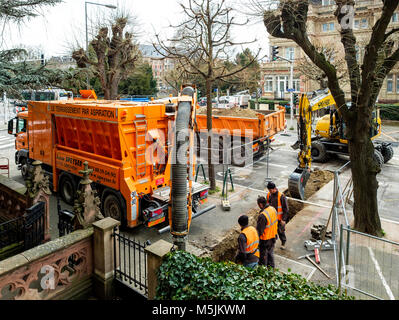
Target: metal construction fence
<point x="367" y="267"/>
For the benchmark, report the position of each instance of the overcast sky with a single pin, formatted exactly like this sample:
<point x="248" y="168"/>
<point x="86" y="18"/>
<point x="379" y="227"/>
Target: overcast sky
<point x="59" y="27"/>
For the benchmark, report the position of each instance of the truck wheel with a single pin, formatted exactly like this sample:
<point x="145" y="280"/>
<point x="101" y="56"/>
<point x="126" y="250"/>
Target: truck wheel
<point x="387" y="152"/>
<point x="67" y="188"/>
<point x="112" y="207"/>
<point x="378" y="158"/>
<point x="319" y="152"/>
<point x="24" y="168"/>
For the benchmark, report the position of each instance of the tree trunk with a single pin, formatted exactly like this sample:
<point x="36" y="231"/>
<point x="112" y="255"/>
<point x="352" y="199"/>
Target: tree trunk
<point x="364" y="174"/>
<point x="211" y="167"/>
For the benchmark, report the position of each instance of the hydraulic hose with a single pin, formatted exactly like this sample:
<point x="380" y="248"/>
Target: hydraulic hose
<point x="179" y="226"/>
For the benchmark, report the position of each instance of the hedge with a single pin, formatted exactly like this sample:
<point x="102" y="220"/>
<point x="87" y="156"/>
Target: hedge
<point x="389" y="111"/>
<point x="183" y="276"/>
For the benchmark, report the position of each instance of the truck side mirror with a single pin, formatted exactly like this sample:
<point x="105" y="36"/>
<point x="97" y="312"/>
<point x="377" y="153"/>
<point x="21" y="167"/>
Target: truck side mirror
<point x="12" y="126"/>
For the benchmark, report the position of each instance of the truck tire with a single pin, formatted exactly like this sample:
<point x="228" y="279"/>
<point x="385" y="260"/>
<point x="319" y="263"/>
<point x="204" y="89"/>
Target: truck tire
<point x="387" y="152"/>
<point x="24" y="168"/>
<point x="319" y="152"/>
<point x="112" y="206"/>
<point x="378" y="158"/>
<point x="67" y="188"/>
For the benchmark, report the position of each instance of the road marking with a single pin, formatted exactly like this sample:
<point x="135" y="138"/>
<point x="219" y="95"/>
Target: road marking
<point x="287" y="150"/>
<point x="384" y="282"/>
<point x="391" y="165"/>
<point x="390" y="221"/>
<point x="7" y="146"/>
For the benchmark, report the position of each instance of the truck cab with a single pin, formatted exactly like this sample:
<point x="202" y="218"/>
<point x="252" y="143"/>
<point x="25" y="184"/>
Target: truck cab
<point x="18" y="128"/>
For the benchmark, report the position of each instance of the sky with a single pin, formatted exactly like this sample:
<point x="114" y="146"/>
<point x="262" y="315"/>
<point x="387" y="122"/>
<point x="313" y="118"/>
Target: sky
<point x="56" y="32"/>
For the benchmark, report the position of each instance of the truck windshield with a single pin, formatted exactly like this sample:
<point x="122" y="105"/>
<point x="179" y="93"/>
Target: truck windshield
<point x="21" y="125"/>
<point x="44" y="96"/>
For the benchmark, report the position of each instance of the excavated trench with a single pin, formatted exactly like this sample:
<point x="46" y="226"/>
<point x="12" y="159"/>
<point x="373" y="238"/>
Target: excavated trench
<point x="226" y="249"/>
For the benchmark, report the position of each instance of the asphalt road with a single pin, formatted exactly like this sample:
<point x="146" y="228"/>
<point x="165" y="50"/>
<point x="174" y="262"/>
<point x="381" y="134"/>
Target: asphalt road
<point x="281" y="161"/>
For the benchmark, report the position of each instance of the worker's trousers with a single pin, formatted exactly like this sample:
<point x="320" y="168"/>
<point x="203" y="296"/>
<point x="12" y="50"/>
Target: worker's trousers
<point x="281" y="233"/>
<point x="266" y="248"/>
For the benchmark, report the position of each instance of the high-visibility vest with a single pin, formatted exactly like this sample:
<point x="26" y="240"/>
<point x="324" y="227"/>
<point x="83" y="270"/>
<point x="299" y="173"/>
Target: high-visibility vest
<point x="279" y="206"/>
<point x="272" y="222"/>
<point x="252" y="240"/>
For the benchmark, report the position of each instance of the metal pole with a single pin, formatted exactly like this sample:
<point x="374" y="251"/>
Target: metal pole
<point x="87" y="45"/>
<point x="292" y="93"/>
<point x="340" y="258"/>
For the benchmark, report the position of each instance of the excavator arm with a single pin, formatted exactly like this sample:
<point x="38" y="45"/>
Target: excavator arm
<point x="308" y="104"/>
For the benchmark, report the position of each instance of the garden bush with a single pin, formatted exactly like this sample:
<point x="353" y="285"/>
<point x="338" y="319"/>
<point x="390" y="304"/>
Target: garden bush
<point x="183" y="276"/>
<point x="389" y="112"/>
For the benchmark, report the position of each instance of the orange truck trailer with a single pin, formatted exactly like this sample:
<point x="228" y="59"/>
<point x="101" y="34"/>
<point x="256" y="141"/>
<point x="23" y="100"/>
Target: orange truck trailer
<point x="261" y="130"/>
<point x="125" y="143"/>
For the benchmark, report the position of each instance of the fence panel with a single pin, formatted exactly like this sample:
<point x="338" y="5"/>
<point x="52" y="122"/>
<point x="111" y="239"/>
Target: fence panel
<point x="130" y="261"/>
<point x="369" y="266"/>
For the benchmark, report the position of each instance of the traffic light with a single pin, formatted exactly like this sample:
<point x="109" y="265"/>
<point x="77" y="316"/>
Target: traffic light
<point x="295" y="99"/>
<point x="274" y="53"/>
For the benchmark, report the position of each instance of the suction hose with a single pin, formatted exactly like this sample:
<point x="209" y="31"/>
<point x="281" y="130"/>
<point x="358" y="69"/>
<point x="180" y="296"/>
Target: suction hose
<point x="179" y="226"/>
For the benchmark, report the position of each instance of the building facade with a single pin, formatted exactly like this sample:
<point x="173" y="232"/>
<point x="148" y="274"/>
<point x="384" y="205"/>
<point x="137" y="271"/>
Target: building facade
<point x="160" y="66"/>
<point x="324" y="32"/>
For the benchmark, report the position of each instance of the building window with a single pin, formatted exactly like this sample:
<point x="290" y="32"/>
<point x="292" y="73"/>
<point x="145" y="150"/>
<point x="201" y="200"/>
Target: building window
<point x="328" y="2"/>
<point x="395" y="17"/>
<point x="390" y="83"/>
<point x="268" y="84"/>
<point x="297" y="85"/>
<point x="364" y="24"/>
<point x="290" y="53"/>
<point x="328" y="27"/>
<point x="397" y="84"/>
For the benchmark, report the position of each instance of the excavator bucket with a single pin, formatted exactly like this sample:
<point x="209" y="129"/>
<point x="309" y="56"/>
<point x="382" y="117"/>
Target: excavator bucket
<point x="297" y="182"/>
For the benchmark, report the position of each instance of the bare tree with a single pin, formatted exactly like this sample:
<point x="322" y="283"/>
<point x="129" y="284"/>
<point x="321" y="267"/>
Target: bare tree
<point x="288" y="20"/>
<point x="114" y="55"/>
<point x="200" y="45"/>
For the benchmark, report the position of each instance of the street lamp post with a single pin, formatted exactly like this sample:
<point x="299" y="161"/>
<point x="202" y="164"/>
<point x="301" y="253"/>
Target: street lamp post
<point x="110" y="6"/>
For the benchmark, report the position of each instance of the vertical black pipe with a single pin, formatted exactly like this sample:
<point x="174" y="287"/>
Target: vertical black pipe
<point x="179" y="168"/>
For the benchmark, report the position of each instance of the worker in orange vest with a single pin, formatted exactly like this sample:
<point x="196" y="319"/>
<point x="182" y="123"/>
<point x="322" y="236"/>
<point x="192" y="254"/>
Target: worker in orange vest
<point x="267" y="229"/>
<point x="278" y="200"/>
<point x="248" y="242"/>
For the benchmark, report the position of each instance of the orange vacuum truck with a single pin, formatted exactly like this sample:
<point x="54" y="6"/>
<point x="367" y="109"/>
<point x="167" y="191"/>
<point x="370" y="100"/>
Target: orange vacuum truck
<point x="127" y="144"/>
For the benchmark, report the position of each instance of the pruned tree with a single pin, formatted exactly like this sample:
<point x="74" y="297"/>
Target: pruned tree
<point x="114" y="55"/>
<point x="200" y="45"/>
<point x="289" y="21"/>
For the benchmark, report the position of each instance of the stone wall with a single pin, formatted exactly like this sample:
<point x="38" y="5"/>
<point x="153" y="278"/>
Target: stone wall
<point x="13" y="201"/>
<point x="76" y="266"/>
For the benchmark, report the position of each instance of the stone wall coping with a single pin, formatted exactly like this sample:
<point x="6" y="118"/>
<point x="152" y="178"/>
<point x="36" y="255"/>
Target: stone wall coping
<point x="106" y="224"/>
<point x="43" y="250"/>
<point x="159" y="248"/>
<point x="13" y="185"/>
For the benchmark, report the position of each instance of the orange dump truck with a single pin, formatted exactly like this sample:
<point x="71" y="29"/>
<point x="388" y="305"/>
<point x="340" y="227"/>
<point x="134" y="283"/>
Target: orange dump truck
<point x="125" y="144"/>
<point x="256" y="130"/>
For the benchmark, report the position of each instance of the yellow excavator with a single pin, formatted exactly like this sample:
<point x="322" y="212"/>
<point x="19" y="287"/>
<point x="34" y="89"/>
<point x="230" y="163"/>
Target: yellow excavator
<point x="329" y="138"/>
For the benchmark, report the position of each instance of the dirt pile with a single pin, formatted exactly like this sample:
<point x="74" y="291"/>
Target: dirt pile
<point x="226" y="249"/>
<point x="233" y="112"/>
<point x="316" y="181"/>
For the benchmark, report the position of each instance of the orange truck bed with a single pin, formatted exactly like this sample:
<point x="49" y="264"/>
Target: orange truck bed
<point x="125" y="143"/>
<point x="266" y="125"/>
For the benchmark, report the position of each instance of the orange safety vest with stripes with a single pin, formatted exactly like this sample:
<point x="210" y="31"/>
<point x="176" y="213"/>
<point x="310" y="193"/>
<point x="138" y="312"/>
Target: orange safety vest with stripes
<point x="271" y="227"/>
<point x="252" y="241"/>
<point x="279" y="206"/>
